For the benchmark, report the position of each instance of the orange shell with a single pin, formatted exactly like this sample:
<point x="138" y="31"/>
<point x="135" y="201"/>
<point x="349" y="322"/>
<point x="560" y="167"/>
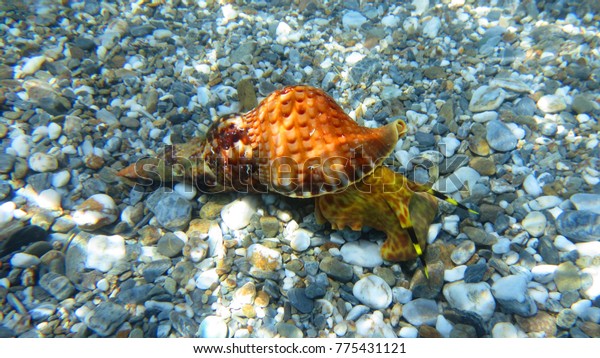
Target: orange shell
<point x="308" y="146"/>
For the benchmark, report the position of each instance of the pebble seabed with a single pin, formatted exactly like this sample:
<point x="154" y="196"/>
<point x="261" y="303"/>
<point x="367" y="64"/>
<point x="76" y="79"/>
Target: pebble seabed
<point x="502" y="105"/>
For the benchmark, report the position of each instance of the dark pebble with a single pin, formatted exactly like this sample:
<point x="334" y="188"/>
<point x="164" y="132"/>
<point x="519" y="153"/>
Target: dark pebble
<point x="106" y="318"/>
<point x="548" y="252"/>
<point x="423" y="287"/>
<point x="314" y="290"/>
<point x="136" y="294"/>
<point x="7" y="161"/>
<point x="155" y="269"/>
<point x="425" y="140"/>
<point x="336" y="269"/>
<point x="439" y="129"/>
<point x="141" y="30"/>
<point x="475" y="273"/>
<point x="300" y="301"/>
<point x="84" y="43"/>
<point x="449" y="165"/>
<point x="184" y="325"/>
<point x="5" y="189"/>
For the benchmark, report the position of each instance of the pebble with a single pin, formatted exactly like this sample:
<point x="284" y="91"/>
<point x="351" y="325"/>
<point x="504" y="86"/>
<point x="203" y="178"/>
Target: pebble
<point x="511" y="293"/>
<point x="23" y="260"/>
<point x="534" y="223"/>
<point x="105" y="252"/>
<point x="543" y="273"/>
<point x="7" y="210"/>
<point x="475" y="273"/>
<point x="263" y="258"/>
<point x="105" y="318"/>
<point x="373" y="326"/>
<point x="187" y="191"/>
<point x="170" y="245"/>
<point x="32" y="65"/>
<point x="42" y="162"/>
<point x="463" y="252"/>
<point x="373" y="291"/>
<point x="504" y="330"/>
<point x="269" y="225"/>
<point x="97" y="211"/>
<point x="486" y="98"/>
<point x="300" y="240"/>
<point x="566" y="277"/>
<point x="300" y="301"/>
<point x="532" y="186"/>
<point x="336" y="269"/>
<point x="57" y="285"/>
<point x="551" y="103"/>
<point x="579" y="225"/>
<point x="60" y="179"/>
<point x="207" y="279"/>
<point x="541" y="322"/>
<point x="500" y="137"/>
<point x="421" y="311"/>
<point x="238" y="213"/>
<point x="212" y="327"/>
<point x="408" y="332"/>
<point x="353" y="19"/>
<point x="172" y="211"/>
<point x="455" y="274"/>
<point x="288" y="330"/>
<point x="432" y="27"/>
<point x="401" y="295"/>
<point x="362" y="253"/>
<point x="155" y="269"/>
<point x="587" y="202"/>
<point x="471" y="297"/>
<point x="566" y="318"/>
<point x="448" y="146"/>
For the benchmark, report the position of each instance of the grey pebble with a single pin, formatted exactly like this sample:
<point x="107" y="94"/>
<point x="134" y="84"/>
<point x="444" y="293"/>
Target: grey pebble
<point x="155" y="269"/>
<point x="172" y="211"/>
<point x="500" y="137"/>
<point x="566" y="318"/>
<point x="300" y="301"/>
<point x="288" y="330"/>
<point x="170" y="245"/>
<point x="475" y="273"/>
<point x="106" y="318"/>
<point x="365" y="71"/>
<point x="579" y="225"/>
<point x="184" y="325"/>
<point x="136" y="294"/>
<point x="57" y="285"/>
<point x="336" y="269"/>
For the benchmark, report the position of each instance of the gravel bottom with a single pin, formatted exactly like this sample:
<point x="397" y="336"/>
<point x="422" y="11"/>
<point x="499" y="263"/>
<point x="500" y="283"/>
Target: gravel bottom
<point x="502" y="104"/>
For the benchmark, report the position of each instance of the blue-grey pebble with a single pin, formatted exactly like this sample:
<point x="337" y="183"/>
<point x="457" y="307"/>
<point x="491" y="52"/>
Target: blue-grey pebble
<point x="300" y="301"/>
<point x="500" y="137"/>
<point x="579" y="225"/>
<point x="475" y="273"/>
<point x="106" y="318"/>
<point x="57" y="285"/>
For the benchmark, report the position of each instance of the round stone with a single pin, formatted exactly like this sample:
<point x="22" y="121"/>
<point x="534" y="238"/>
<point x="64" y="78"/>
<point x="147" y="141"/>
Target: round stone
<point x="237" y="214"/>
<point x="567" y="277"/>
<point x="463" y="252"/>
<point x="42" y="162"/>
<point x="551" y="103"/>
<point x="471" y="297"/>
<point x="500" y="137"/>
<point x="579" y="225"/>
<point x="421" y="311"/>
<point x="486" y="98"/>
<point x="212" y="327"/>
<point x="373" y="291"/>
<point x="97" y="211"/>
<point x="534" y="223"/>
<point x="300" y="240"/>
<point x="105" y="252"/>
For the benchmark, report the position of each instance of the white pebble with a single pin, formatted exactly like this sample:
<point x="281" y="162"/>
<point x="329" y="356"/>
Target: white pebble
<point x="105" y="252"/>
<point x="237" y="214"/>
<point x="61" y="178"/>
<point x="564" y="244"/>
<point x="504" y="330"/>
<point x="362" y="253"/>
<point x="534" y="223"/>
<point x="23" y="260"/>
<point x="486" y="116"/>
<point x="455" y="274"/>
<point x="39" y="133"/>
<point x="551" y="103"/>
<point x="103" y="285"/>
<point x="443" y="326"/>
<point x="42" y="162"/>
<point x="390" y="21"/>
<point x="300" y="240"/>
<point x="186" y="190"/>
<point x="54" y="131"/>
<point x="32" y="65"/>
<point x="448" y="146"/>
<point x="49" y="199"/>
<point x="532" y="186"/>
<point x="401" y="295"/>
<point x="373" y="291"/>
<point x="7" y="212"/>
<point x="206" y="279"/>
<point x="408" y="332"/>
<point x="410" y="25"/>
<point x="432" y="27"/>
<point x="212" y="327"/>
<point x="21" y="145"/>
<point x="353" y="19"/>
<point x="543" y="273"/>
<point x="97" y="211"/>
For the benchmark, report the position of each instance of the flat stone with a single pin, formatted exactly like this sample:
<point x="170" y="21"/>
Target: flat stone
<point x="170" y="245"/>
<point x="300" y="301"/>
<point x="288" y="330"/>
<point x="579" y="225"/>
<point x="463" y="252"/>
<point x="57" y="285"/>
<point x="106" y="318"/>
<point x="336" y="269"/>
<point x="362" y="253"/>
<point x="586" y="201"/>
<point x="486" y="98"/>
<point x="269" y="225"/>
<point x="541" y="322"/>
<point x="172" y="211"/>
<point x="421" y="311"/>
<point x="534" y="223"/>
<point x="551" y="103"/>
<point x="511" y="293"/>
